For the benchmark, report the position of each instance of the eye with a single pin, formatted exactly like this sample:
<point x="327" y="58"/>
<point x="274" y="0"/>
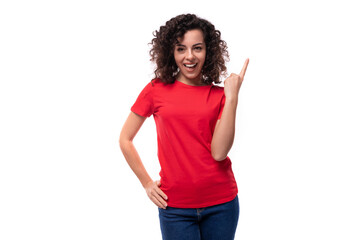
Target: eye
<point x="198" y="48"/>
<point x="180" y="49"/>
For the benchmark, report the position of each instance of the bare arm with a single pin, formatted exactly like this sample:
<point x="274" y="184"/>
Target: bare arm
<point x="128" y="132"/>
<point x="224" y="131"/>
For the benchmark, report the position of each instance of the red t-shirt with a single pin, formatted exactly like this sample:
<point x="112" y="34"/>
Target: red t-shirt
<point x="185" y="118"/>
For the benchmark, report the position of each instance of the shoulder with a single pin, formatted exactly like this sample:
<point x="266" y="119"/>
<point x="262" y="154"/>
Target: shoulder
<point x="152" y="84"/>
<point x="156" y="82"/>
<point x="156" y="85"/>
<point x="218" y="89"/>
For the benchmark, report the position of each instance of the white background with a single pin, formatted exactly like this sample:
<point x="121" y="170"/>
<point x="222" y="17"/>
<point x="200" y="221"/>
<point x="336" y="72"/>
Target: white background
<point x="70" y="71"/>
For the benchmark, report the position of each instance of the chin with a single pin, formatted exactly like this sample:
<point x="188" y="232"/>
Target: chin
<point x="191" y="76"/>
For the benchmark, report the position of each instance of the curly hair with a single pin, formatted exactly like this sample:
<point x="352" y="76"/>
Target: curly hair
<point x="163" y="44"/>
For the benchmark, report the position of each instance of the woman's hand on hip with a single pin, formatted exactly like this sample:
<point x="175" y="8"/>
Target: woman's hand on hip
<point x="233" y="83"/>
<point x="155" y="194"/>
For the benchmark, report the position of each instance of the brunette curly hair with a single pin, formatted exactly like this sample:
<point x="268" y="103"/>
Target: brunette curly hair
<point x="163" y="44"/>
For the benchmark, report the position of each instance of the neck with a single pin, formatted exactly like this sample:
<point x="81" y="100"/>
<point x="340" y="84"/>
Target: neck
<point x="193" y="82"/>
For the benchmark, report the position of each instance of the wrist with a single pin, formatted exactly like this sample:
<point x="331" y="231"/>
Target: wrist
<point x="233" y="100"/>
<point x="147" y="183"/>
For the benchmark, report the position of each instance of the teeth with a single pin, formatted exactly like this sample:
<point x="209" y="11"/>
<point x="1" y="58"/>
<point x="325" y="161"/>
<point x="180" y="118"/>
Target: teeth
<point x="192" y="65"/>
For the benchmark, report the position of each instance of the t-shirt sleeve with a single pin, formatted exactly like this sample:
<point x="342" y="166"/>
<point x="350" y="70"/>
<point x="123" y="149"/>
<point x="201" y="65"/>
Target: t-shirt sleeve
<point x="222" y="103"/>
<point x="144" y="103"/>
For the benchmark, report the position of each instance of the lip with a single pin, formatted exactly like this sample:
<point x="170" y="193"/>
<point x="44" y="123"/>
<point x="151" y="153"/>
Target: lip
<point x="190" y="64"/>
<point x="190" y="69"/>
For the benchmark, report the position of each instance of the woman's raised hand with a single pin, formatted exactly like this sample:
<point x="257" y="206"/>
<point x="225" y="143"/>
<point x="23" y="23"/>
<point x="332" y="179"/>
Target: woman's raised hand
<point x="233" y="83"/>
<point x="155" y="194"/>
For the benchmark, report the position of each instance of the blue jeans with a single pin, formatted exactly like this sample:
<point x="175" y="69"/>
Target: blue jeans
<point x="216" y="222"/>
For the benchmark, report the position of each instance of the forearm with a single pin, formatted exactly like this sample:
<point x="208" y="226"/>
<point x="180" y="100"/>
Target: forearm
<point x="133" y="159"/>
<point x="224" y="132"/>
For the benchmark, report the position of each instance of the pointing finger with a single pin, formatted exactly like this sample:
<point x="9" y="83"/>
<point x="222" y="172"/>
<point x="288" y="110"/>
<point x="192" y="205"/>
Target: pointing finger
<point x="243" y="70"/>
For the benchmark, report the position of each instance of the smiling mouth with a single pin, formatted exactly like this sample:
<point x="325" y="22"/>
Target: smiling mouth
<point x="190" y="65"/>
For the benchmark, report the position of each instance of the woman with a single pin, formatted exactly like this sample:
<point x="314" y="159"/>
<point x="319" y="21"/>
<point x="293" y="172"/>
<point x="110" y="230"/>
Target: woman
<point x="195" y="122"/>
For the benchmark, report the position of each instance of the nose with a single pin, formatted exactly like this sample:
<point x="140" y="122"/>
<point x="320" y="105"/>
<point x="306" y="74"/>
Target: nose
<point x="189" y="54"/>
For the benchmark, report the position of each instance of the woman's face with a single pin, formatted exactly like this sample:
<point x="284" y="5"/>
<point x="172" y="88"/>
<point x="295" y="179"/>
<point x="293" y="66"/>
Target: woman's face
<point x="189" y="54"/>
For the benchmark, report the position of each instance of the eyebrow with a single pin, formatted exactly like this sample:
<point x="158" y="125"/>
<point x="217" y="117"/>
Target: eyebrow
<point x="181" y="45"/>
